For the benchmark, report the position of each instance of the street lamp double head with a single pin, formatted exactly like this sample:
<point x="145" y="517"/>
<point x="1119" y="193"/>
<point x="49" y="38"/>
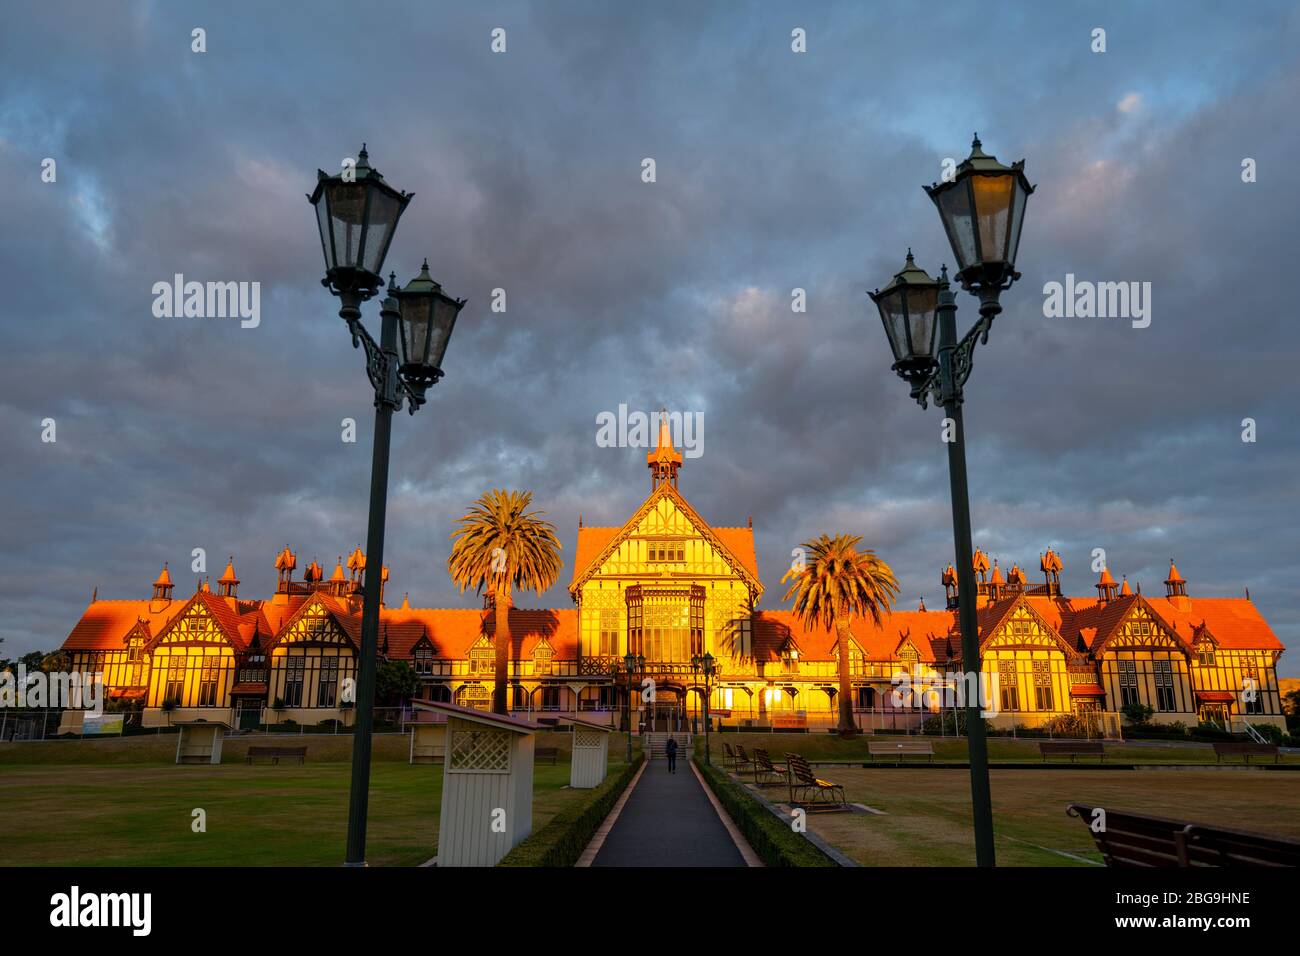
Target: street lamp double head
<point x="982" y="208"/>
<point x="356" y="215"/>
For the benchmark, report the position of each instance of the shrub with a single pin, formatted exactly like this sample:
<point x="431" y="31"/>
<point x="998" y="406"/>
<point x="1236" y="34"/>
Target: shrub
<point x="774" y="841"/>
<point x="949" y="724"/>
<point x="1271" y="733"/>
<point x="563" y="839"/>
<point x="1066" y="725"/>
<point x="1138" y="715"/>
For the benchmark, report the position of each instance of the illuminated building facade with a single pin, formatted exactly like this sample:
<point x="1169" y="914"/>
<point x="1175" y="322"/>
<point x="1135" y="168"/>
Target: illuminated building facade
<point x="669" y="586"/>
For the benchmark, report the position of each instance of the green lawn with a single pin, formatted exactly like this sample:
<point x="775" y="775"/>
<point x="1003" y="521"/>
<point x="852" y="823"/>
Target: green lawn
<point x="122" y="802"/>
<point x="927" y="821"/>
<point x="829" y="747"/>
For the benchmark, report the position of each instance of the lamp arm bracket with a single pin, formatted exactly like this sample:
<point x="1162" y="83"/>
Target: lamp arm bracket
<point x="381" y="369"/>
<point x="960" y="359"/>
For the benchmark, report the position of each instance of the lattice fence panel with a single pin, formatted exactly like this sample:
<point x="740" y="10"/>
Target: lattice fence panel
<point x="585" y="737"/>
<point x="479" y="751"/>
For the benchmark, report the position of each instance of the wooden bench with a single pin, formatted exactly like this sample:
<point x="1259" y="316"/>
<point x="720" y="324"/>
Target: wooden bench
<point x="804" y="784"/>
<point x="731" y="754"/>
<point x="1134" y="839"/>
<point x="742" y="759"/>
<point x="765" y="770"/>
<point x="275" y="753"/>
<point x="1244" y="749"/>
<point x="1072" y="748"/>
<point x="908" y="748"/>
<point x="546" y="753"/>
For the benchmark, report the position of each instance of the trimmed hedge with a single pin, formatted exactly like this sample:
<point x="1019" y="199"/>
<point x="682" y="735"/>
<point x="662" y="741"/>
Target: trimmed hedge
<point x="562" y="841"/>
<point x="774" y="842"/>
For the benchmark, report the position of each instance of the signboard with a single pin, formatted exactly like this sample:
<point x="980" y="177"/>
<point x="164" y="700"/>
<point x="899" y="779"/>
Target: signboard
<point x="103" y="724"/>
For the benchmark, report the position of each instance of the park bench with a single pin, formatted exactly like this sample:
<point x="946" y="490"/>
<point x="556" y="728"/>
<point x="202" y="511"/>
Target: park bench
<point x="1072" y="748"/>
<point x="1134" y="839"/>
<point x="731" y="756"/>
<point x="275" y="753"/>
<point x="807" y="788"/>
<point x="1244" y="749"/>
<point x="546" y="753"/>
<point x="903" y="748"/>
<point x="765" y="770"/>
<point x="742" y="759"/>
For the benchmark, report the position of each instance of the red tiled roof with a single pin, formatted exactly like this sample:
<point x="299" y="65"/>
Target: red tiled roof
<point x="1087" y="690"/>
<point x="1216" y="696"/>
<point x="105" y="624"/>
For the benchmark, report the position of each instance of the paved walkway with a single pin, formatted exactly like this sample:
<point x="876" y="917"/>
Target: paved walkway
<point x="668" y="821"/>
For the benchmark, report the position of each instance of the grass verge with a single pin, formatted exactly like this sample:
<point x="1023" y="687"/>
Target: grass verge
<point x="774" y="842"/>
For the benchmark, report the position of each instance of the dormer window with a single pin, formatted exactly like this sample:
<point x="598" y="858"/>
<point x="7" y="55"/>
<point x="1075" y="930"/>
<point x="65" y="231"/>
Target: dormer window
<point x="424" y="660"/>
<point x="542" y="658"/>
<point x="482" y="659"/>
<point x="790" y="660"/>
<point x="1206" y="655"/>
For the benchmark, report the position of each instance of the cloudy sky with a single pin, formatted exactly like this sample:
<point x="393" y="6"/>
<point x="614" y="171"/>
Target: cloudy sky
<point x="775" y="171"/>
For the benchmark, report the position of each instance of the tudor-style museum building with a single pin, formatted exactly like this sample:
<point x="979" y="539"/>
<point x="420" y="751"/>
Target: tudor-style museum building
<point x="668" y="586"/>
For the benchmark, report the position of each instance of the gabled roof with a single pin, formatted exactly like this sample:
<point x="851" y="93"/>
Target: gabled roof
<point x="104" y="625"/>
<point x="735" y="545"/>
<point x="927" y="630"/>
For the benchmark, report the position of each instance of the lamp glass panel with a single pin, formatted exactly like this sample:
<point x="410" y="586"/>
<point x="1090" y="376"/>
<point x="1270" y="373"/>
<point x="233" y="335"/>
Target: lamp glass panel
<point x="1019" y="196"/>
<point x="444" y="320"/>
<point x="323" y="225"/>
<point x="347" y="206"/>
<point x="954" y="209"/>
<point x="922" y="306"/>
<point x="384" y="210"/>
<point x="415" y="326"/>
<point x="993" y="208"/>
<point x="894" y="314"/>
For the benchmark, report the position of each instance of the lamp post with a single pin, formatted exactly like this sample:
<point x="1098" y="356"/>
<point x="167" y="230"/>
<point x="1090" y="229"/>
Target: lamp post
<point x="705" y="665"/>
<point x="633" y="664"/>
<point x="356" y="214"/>
<point x="982" y="208"/>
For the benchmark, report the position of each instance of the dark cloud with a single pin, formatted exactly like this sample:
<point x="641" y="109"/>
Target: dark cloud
<point x="775" y="171"/>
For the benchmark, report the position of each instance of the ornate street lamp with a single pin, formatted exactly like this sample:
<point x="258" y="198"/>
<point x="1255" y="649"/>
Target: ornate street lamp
<point x="982" y="209"/>
<point x="428" y="318"/>
<point x="908" y="307"/>
<point x="633" y="664"/>
<point x="356" y="215"/>
<point x="705" y="665"/>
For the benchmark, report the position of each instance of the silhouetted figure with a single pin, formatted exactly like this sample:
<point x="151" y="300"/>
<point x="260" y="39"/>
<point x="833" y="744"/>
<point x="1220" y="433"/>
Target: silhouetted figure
<point x="671" y="750"/>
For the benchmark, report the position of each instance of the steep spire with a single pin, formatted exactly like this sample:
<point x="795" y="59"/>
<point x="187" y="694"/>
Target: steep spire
<point x="1124" y="589"/>
<point x="406" y="601"/>
<point x="664" y="460"/>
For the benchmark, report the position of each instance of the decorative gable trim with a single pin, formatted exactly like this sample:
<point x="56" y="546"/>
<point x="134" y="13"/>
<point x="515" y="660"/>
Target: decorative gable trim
<point x="701" y="526"/>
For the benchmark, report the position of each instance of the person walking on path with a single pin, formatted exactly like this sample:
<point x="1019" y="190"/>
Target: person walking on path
<point x="671" y="750"/>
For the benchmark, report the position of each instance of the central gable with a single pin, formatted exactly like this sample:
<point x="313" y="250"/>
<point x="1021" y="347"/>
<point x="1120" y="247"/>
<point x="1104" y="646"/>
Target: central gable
<point x="667" y="538"/>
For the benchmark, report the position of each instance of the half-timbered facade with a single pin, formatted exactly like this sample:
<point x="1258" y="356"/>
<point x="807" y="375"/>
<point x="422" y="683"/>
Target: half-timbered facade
<point x="667" y="586"/>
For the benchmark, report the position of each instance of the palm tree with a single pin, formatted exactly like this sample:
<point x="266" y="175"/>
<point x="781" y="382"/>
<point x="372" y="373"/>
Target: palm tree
<point x="500" y="544"/>
<point x="833" y="583"/>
